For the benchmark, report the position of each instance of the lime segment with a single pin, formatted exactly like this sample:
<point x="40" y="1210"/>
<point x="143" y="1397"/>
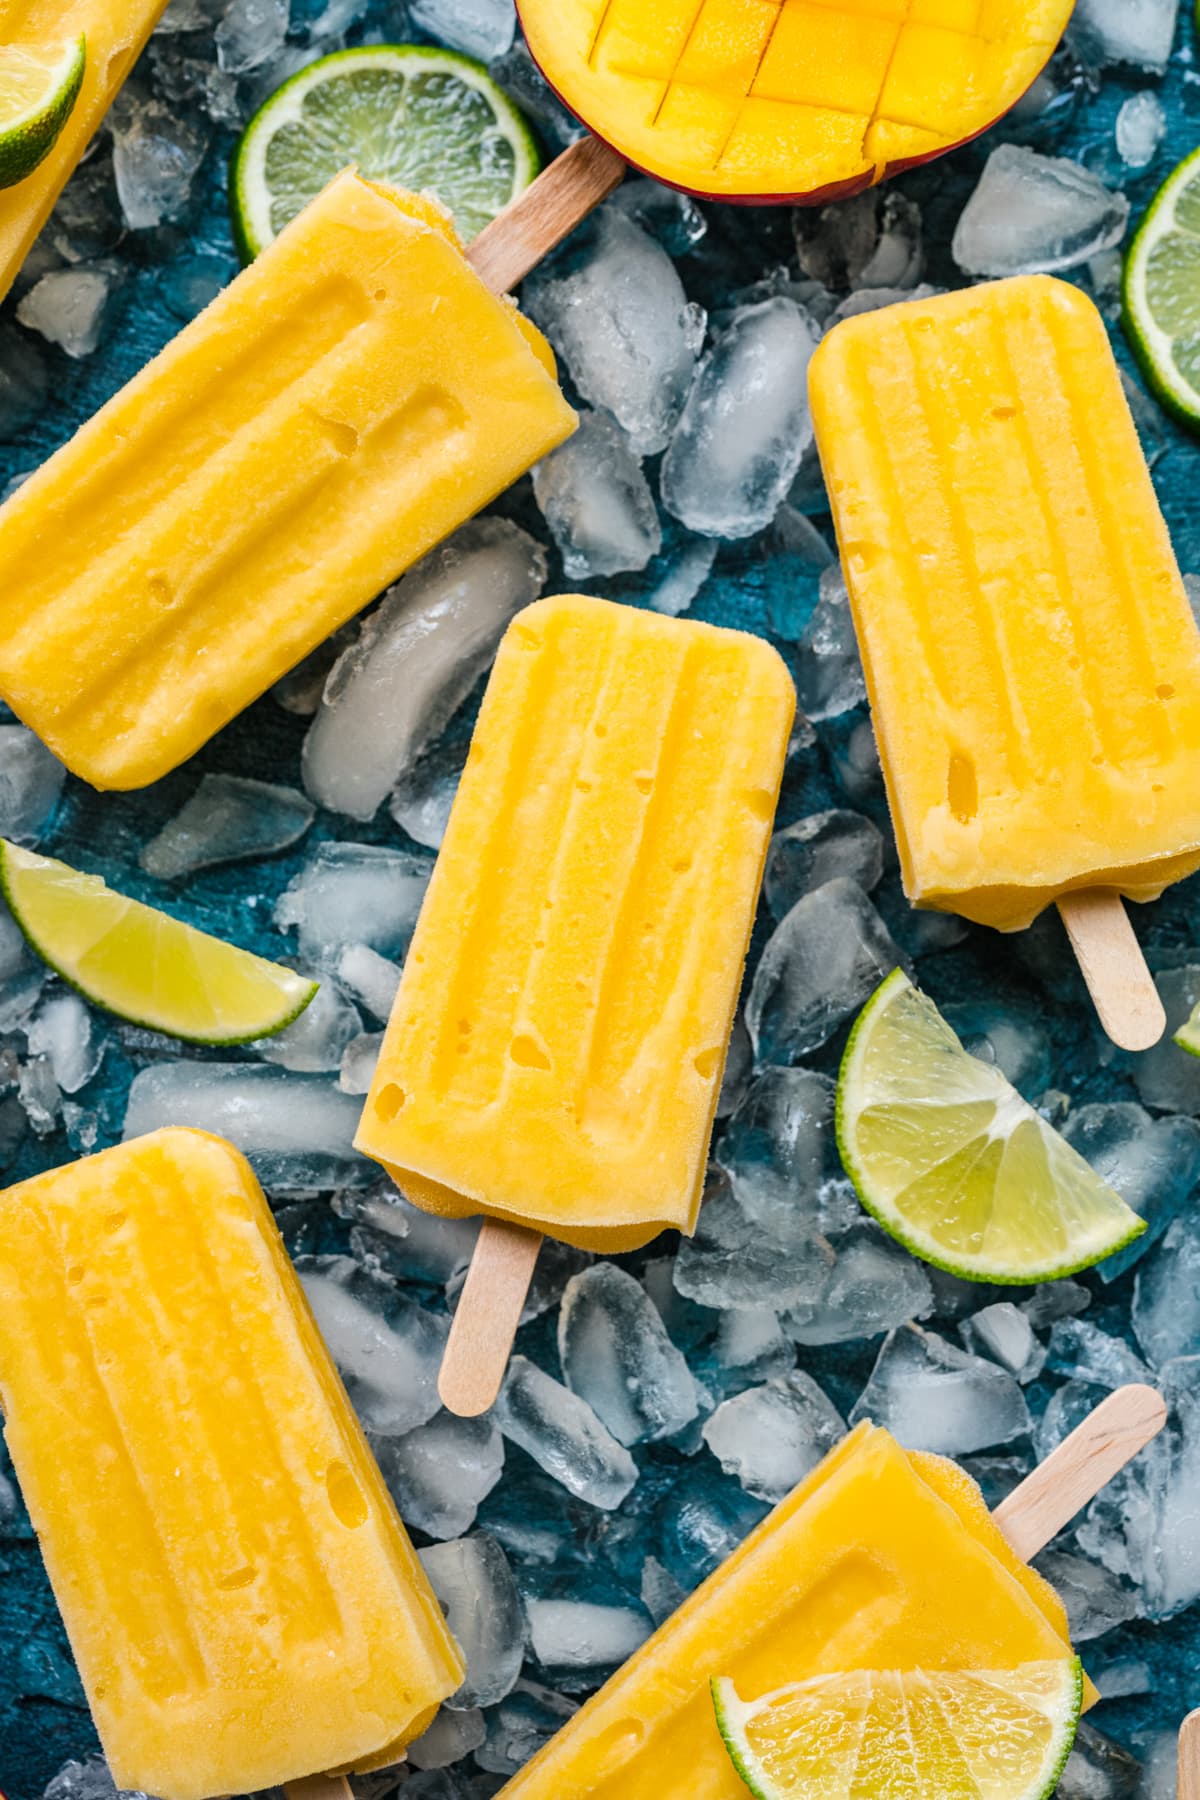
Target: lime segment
<point x="951" y="1160"/>
<point x="38" y="88"/>
<point x="1162" y="292"/>
<point x="412" y="117"/>
<point x="140" y="963"/>
<point x="968" y="1733"/>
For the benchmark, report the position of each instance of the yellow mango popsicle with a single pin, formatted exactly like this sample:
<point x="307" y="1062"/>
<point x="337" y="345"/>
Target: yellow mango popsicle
<point x="115" y="31"/>
<point x="555" y="1050"/>
<point x="354" y="395"/>
<point x="243" y="1603"/>
<point x="1031" y="657"/>
<point x="869" y="1564"/>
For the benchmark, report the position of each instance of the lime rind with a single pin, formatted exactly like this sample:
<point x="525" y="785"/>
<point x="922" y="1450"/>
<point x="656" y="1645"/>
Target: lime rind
<point x="463" y="173"/>
<point x="954" y="1165"/>
<point x="1188" y="1035"/>
<point x="1052" y="1691"/>
<point x="27" y="140"/>
<point x="1152" y="344"/>
<point x="285" y="993"/>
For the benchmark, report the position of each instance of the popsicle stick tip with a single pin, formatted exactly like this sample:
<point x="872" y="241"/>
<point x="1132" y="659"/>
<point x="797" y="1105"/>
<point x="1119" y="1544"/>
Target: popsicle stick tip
<point x="1111" y="962"/>
<point x="548" y="211"/>
<point x="1086" y="1461"/>
<point x="320" y="1787"/>
<point x="489" y="1311"/>
<point x="1188" y="1785"/>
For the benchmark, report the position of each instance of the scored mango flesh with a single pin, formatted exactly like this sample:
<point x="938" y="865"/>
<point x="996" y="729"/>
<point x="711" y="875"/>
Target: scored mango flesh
<point x="789" y="99"/>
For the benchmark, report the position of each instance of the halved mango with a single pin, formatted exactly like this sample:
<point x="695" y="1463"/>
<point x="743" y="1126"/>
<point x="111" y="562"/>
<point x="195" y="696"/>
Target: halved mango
<point x="763" y="101"/>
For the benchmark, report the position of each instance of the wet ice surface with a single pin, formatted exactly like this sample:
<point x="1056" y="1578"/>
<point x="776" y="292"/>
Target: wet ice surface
<point x="1033" y="213"/>
<point x="787" y="1288"/>
<point x="596" y="501"/>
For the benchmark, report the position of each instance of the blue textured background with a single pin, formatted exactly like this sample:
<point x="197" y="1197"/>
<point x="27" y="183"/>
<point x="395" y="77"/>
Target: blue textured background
<point x="43" y="1719"/>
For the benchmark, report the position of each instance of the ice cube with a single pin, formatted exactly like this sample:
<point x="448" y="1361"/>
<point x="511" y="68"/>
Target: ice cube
<point x="933" y="1396"/>
<point x="1085" y="1353"/>
<point x="1141" y="128"/>
<point x="751" y="1345"/>
<point x="1066" y="1409"/>
<point x="521" y="1724"/>
<point x="472" y="1579"/>
<point x="354" y="894"/>
<point x="661" y="1593"/>
<point x="70" y="307"/>
<point x="1034" y="213"/>
<point x="315" y="1043"/>
<point x="1137" y="32"/>
<point x="359" y="1060"/>
<point x="420" y="1246"/>
<point x="300" y="690"/>
<point x="1012" y="1042"/>
<point x="447" y="1740"/>
<point x="563" y="1435"/>
<point x="1055" y="1300"/>
<point x="584" y="1634"/>
<point x="856" y="765"/>
<point x="1097" y="1768"/>
<point x="31" y="780"/>
<point x="22" y="974"/>
<point x="229" y="818"/>
<point x="690" y="569"/>
<point x="251" y="32"/>
<point x="616" y="1355"/>
<point x="1096" y="1601"/>
<point x="806" y="855"/>
<point x="88" y="1780"/>
<point x="424" y="794"/>
<point x="371" y="978"/>
<point x="440" y="1473"/>
<point x="830" y="679"/>
<point x="623" y="325"/>
<point x="871" y="240"/>
<point x="1159" y="1753"/>
<point x="1152" y="1163"/>
<point x="416" y="658"/>
<point x="297" y="1130"/>
<point x="156" y="156"/>
<point x="778" y="1141"/>
<point x="745" y="425"/>
<point x="751" y="1247"/>
<point x="739" y="1065"/>
<point x="522" y="80"/>
<point x="1166" y="1294"/>
<point x="387" y="1348"/>
<point x="39" y="1094"/>
<point x="597" y="502"/>
<point x="63" y="1030"/>
<point x="770" y="1437"/>
<point x="482" y="28"/>
<point x="824" y="958"/>
<point x="868" y="1286"/>
<point x="668" y="215"/>
<point x="1167" y="1078"/>
<point x="1003" y="1333"/>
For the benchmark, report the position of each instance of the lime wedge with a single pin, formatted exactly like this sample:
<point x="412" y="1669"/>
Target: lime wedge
<point x="1161" y="292"/>
<point x="997" y="1734"/>
<point x="1188" y="1035"/>
<point x="143" y="965"/>
<point x="404" y="114"/>
<point x="38" y="88"/>
<point x="954" y="1164"/>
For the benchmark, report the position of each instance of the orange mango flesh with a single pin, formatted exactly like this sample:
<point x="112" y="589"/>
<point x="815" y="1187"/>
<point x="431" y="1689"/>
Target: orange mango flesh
<point x="555" y="1050"/>
<point x="1030" y="653"/>
<point x="115" y="31"/>
<point x="867" y="1565"/>
<point x="351" y="398"/>
<point x="788" y="99"/>
<point x="243" y="1603"/>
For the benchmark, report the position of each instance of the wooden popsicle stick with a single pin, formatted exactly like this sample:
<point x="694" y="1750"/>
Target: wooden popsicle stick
<point x="489" y="1311"/>
<point x="321" y="1787"/>
<point x="1074" y="1473"/>
<point x="1188" y="1784"/>
<point x="548" y="211"/>
<point x="1111" y="962"/>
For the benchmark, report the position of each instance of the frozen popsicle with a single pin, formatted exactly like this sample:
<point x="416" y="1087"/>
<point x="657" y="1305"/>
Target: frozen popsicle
<point x="1031" y="657"/>
<point x="115" y="31"/>
<point x="242" y="1601"/>
<point x="878" y="1560"/>
<point x="555" y="1050"/>
<point x="352" y="397"/>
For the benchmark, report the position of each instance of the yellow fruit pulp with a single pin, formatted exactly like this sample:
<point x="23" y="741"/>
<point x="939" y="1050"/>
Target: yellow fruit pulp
<point x="555" y="1050"/>
<point x="786" y="99"/>
<point x="242" y="1601"/>
<point x="1031" y="656"/>
<point x="349" y="400"/>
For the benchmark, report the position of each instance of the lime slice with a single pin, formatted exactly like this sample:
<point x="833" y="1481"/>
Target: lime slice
<point x="38" y="88"/>
<point x="954" y="1164"/>
<point x="1188" y="1035"/>
<point x="143" y="965"/>
<point x="991" y="1734"/>
<point x="414" y="117"/>
<point x="1161" y="292"/>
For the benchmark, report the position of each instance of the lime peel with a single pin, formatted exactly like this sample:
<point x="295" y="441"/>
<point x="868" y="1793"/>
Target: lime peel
<point x="1160" y="292"/>
<point x="142" y="964"/>
<point x="409" y="116"/>
<point x="38" y="91"/>
<point x="954" y="1164"/>
<point x="998" y="1733"/>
